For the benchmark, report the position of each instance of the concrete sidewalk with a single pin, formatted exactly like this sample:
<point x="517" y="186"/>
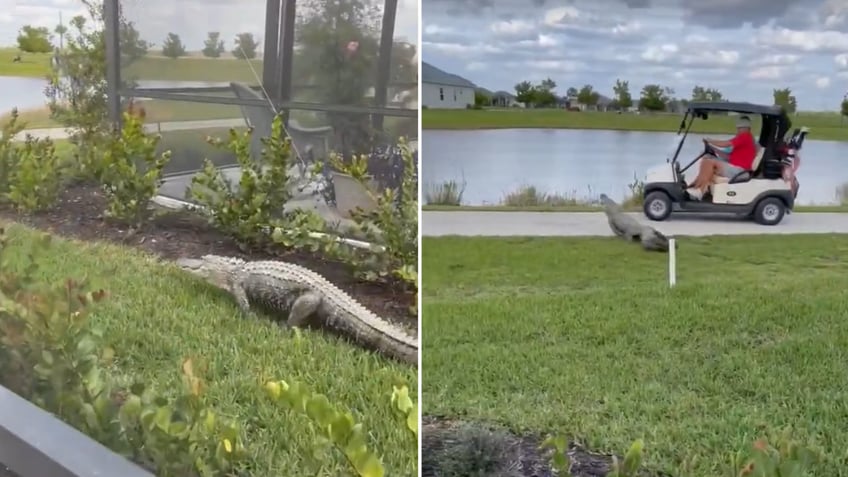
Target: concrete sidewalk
<point x="576" y="224"/>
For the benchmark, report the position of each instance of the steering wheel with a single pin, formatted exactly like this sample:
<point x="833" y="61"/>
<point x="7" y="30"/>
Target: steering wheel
<point x="708" y="148"/>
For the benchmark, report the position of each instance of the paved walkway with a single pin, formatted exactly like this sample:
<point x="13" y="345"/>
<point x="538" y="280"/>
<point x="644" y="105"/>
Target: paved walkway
<point x="575" y="224"/>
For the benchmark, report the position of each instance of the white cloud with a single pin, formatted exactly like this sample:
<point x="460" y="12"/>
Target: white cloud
<point x="779" y="59"/>
<point x="822" y="82"/>
<point x="547" y="41"/>
<point x="434" y="29"/>
<point x="841" y="60"/>
<point x="660" y="53"/>
<point x="767" y="72"/>
<point x="512" y="28"/>
<point x="562" y="66"/>
<point x="627" y="28"/>
<point x="809" y="41"/>
<point x="717" y="58"/>
<point x="459" y="49"/>
<point x="561" y="16"/>
<point x="476" y="66"/>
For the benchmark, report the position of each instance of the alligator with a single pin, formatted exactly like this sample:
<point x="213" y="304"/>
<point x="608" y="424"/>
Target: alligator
<point x="304" y="298"/>
<point x="628" y="228"/>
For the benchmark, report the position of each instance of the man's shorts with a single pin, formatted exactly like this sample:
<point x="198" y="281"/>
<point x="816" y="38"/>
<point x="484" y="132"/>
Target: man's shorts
<point x="729" y="170"/>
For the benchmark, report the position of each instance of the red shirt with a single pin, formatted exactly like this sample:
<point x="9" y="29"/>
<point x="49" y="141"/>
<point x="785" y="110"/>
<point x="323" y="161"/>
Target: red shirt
<point x="744" y="150"/>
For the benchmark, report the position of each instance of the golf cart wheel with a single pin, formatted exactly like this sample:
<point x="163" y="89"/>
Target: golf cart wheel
<point x="769" y="211"/>
<point x="657" y="206"/>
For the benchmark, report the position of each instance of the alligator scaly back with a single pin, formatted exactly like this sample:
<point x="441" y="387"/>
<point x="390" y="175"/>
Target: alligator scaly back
<point x="304" y="297"/>
<point x="630" y="229"/>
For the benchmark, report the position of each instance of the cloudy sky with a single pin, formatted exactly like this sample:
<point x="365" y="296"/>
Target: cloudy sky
<point x="191" y="19"/>
<point x="744" y="48"/>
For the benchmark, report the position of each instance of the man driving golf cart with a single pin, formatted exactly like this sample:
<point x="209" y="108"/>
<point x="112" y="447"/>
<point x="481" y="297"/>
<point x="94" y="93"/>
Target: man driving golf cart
<point x="725" y="158"/>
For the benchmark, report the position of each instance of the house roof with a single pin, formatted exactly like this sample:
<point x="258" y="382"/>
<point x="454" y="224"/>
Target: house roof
<point x="431" y="74"/>
<point x="504" y="94"/>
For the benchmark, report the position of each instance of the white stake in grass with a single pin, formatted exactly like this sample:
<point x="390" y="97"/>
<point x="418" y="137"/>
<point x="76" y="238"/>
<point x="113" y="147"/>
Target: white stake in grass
<point x="672" y="263"/>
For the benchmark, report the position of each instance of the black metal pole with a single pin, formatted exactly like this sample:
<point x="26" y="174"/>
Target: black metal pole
<point x="269" y="56"/>
<point x="384" y="61"/>
<point x="111" y="14"/>
<point x="286" y="53"/>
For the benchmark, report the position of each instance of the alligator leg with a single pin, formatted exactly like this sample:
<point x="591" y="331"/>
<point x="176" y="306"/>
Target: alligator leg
<point x="303" y="307"/>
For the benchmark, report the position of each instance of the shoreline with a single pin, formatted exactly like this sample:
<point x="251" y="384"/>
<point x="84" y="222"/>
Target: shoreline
<point x="824" y="126"/>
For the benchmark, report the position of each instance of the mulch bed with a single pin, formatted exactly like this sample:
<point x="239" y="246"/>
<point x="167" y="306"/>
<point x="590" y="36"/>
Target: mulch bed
<point x="79" y="214"/>
<point x="524" y="457"/>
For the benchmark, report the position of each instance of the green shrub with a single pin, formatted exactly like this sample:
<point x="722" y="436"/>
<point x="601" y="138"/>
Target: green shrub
<point x="31" y="173"/>
<point x="338" y="428"/>
<point x="131" y="172"/>
<point x="51" y="356"/>
<point x="446" y="193"/>
<point x="263" y="189"/>
<point x="392" y="226"/>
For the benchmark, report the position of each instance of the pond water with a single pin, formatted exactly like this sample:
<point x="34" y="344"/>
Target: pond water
<point x="586" y="163"/>
<point x="28" y="93"/>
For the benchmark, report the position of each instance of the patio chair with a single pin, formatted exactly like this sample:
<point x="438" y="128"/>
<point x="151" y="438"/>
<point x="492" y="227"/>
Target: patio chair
<point x="309" y="144"/>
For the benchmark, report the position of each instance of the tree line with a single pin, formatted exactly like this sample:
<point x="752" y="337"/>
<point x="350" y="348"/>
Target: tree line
<point x="33" y="39"/>
<point x="652" y="97"/>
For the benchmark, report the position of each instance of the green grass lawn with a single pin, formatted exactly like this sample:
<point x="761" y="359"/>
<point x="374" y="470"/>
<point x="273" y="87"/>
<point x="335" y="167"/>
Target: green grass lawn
<point x="151" y="67"/>
<point x="31" y="64"/>
<point x="583" y="337"/>
<point x="156" y="316"/>
<point x="824" y="126"/>
<point x="158" y="111"/>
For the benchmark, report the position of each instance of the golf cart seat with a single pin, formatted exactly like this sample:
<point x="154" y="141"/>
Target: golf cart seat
<point x="743" y="176"/>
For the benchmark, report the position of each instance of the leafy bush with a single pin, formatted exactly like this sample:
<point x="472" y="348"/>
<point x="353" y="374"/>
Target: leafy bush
<point x="51" y="356"/>
<point x="338" y="428"/>
<point x="77" y="86"/>
<point x="263" y="189"/>
<point x="131" y="172"/>
<point x="392" y="226"/>
<point x="30" y="171"/>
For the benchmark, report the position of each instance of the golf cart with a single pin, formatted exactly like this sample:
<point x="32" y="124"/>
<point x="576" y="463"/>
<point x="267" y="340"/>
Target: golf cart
<point x="764" y="193"/>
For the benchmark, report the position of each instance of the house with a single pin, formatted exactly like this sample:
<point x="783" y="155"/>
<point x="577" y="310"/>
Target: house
<point x="504" y="99"/>
<point x="442" y="90"/>
<point x="604" y="104"/>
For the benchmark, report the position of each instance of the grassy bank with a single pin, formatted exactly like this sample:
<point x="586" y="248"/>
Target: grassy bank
<point x="150" y="67"/>
<point x="154" y="322"/>
<point x="824" y="126"/>
<point x="582" y="337"/>
<point x="157" y="111"/>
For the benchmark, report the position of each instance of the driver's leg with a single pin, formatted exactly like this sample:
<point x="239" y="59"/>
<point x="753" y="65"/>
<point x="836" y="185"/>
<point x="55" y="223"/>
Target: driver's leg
<point x="707" y="169"/>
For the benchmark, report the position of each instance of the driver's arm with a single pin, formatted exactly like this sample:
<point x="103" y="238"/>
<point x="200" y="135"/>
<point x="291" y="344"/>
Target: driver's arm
<point x="719" y="143"/>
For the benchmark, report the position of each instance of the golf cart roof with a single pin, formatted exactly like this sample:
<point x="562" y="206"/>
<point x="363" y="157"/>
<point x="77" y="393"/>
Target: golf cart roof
<point x="748" y="108"/>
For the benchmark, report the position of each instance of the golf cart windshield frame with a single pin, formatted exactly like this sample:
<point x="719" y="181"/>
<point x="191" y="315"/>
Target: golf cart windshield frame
<point x="775" y="122"/>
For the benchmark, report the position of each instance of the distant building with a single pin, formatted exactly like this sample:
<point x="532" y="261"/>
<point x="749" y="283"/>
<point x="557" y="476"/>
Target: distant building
<point x="441" y="90"/>
<point x="504" y="99"/>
